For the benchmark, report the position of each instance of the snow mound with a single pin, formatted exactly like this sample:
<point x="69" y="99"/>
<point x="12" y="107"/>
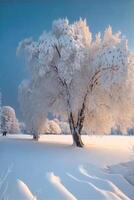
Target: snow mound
<point x="25" y="192"/>
<point x="56" y="181"/>
<point x="126" y="169"/>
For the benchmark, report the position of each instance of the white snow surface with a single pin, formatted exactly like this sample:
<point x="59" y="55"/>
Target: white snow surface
<point x="53" y="169"/>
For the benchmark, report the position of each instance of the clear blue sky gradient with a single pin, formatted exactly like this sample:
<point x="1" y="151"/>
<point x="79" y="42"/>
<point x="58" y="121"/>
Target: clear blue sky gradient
<point x="24" y="18"/>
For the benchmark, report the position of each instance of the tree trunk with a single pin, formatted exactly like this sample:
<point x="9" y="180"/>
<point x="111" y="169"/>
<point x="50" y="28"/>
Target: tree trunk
<point x="4" y="133"/>
<point x="76" y="131"/>
<point x="77" y="139"/>
<point x="36" y="137"/>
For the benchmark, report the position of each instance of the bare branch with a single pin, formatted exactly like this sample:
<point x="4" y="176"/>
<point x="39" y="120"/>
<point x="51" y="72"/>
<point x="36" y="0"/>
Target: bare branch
<point x="57" y="50"/>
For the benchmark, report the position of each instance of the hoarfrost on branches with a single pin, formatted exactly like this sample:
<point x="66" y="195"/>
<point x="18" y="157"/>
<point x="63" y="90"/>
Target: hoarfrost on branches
<point x="9" y="122"/>
<point x="79" y="79"/>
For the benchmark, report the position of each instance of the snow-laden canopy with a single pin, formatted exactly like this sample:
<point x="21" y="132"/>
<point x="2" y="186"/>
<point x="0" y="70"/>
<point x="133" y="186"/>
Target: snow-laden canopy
<point x="9" y="122"/>
<point x="73" y="76"/>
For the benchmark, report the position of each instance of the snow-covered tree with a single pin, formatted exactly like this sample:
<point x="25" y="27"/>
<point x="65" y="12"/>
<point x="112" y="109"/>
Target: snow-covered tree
<point x="116" y="131"/>
<point x="22" y="127"/>
<point x="64" y="127"/>
<point x="130" y="131"/>
<point x="9" y="123"/>
<point x="87" y="82"/>
<point x="52" y="127"/>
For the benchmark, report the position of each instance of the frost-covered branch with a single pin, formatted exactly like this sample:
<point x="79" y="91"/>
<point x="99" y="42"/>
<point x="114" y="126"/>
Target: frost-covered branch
<point x="70" y="74"/>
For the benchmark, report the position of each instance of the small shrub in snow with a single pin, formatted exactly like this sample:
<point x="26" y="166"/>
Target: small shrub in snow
<point x="52" y="127"/>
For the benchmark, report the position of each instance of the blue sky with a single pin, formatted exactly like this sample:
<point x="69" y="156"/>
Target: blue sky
<point x="24" y="18"/>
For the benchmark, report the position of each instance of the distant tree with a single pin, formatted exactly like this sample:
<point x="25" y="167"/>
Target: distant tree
<point x="52" y="127"/>
<point x="82" y="80"/>
<point x="9" y="122"/>
<point x="116" y="131"/>
<point x="22" y="127"/>
<point x="130" y="131"/>
<point x="64" y="127"/>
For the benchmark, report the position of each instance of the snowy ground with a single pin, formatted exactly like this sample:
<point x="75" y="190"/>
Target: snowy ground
<point x="52" y="169"/>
